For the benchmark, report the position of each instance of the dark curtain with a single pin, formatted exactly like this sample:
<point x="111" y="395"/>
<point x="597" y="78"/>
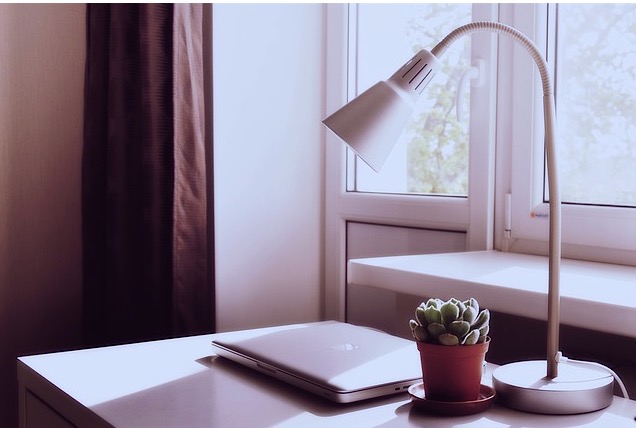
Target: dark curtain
<point x="145" y="175"/>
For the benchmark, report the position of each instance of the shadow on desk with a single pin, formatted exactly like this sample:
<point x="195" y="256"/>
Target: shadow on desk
<point x="226" y="395"/>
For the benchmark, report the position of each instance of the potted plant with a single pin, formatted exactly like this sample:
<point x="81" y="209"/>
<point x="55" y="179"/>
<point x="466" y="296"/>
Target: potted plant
<point x="452" y="338"/>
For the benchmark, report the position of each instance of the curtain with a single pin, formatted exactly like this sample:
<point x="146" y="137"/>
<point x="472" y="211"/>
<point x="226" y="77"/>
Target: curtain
<point x="147" y="257"/>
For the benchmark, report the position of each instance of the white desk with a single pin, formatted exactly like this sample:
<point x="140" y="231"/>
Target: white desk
<point x="181" y="383"/>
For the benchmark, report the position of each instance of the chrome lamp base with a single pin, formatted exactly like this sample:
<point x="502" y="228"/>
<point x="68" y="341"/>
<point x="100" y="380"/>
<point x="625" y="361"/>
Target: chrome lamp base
<point x="525" y="386"/>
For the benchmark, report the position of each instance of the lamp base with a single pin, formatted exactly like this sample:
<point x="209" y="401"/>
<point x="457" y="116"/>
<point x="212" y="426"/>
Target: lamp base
<point x="524" y="386"/>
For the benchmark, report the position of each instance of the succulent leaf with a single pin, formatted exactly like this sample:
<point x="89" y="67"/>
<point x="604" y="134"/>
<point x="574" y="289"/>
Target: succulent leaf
<point x="483" y="331"/>
<point x="450" y="312"/>
<point x="435" y="303"/>
<point x="420" y="315"/>
<point x="461" y="306"/>
<point x="472" y="338"/>
<point x="448" y="339"/>
<point x="469" y="315"/>
<point x="482" y="319"/>
<point x="459" y="328"/>
<point x="432" y="315"/>
<point x="472" y="302"/>
<point x="420" y="333"/>
<point x="436" y="329"/>
<point x="413" y="324"/>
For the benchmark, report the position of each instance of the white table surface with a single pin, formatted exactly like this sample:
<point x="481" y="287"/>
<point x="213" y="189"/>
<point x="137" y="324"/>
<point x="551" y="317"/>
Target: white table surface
<point x="181" y="383"/>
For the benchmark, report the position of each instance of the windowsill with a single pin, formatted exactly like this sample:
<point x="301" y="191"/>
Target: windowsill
<point x="594" y="296"/>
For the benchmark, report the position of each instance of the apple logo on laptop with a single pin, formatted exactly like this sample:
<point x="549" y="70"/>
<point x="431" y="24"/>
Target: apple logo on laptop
<point x="344" y="347"/>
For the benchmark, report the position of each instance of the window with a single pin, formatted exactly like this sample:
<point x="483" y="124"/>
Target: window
<point x="596" y="102"/>
<point x="358" y="197"/>
<point x="591" y="49"/>
<point x="432" y="155"/>
<point x="419" y="185"/>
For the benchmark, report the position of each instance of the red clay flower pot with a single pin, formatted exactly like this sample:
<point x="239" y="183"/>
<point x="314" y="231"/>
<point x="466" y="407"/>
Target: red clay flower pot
<point x="452" y="373"/>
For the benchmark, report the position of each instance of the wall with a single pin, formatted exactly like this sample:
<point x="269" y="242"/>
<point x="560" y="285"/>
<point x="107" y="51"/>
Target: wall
<point x="268" y="173"/>
<point x="268" y="98"/>
<point x="41" y="88"/>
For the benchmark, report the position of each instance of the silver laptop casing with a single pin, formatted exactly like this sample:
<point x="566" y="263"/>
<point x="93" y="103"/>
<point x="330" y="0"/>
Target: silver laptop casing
<point x="338" y="361"/>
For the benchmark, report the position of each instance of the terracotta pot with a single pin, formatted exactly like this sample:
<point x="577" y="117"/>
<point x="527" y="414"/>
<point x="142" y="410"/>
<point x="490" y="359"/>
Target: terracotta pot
<point x="452" y="373"/>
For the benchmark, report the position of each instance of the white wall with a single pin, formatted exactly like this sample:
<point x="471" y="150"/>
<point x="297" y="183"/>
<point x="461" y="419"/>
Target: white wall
<point x="41" y="101"/>
<point x="268" y="98"/>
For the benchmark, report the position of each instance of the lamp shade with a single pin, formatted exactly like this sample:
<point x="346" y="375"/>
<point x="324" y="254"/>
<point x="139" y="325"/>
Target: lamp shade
<point x="372" y="122"/>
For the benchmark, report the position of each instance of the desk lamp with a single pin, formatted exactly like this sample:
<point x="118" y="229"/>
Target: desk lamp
<point x="370" y="125"/>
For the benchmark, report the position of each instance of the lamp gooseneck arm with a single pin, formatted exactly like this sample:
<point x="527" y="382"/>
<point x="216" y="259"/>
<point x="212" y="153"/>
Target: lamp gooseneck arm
<point x="553" y="187"/>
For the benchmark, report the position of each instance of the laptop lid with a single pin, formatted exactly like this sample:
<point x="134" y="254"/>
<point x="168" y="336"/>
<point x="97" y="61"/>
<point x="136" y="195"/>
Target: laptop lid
<point x="341" y="362"/>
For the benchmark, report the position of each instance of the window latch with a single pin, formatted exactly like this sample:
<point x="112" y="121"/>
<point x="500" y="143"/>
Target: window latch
<point x="475" y="75"/>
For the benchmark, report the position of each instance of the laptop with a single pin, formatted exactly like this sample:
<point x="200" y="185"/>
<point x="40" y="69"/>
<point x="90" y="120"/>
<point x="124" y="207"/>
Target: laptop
<point x="338" y="361"/>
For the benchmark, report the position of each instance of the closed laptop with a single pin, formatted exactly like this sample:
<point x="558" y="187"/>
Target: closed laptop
<point x="338" y="361"/>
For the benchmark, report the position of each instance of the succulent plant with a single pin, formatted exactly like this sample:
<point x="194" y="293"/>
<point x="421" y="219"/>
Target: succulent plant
<point x="450" y="323"/>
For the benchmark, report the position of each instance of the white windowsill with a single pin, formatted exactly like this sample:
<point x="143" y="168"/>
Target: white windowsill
<point x="595" y="296"/>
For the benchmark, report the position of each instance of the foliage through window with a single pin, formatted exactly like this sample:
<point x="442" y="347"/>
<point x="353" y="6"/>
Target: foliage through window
<point x="596" y="103"/>
<point x="432" y="155"/>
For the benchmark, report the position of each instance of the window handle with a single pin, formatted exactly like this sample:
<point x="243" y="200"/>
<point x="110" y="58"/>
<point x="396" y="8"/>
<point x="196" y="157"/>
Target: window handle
<point x="475" y="74"/>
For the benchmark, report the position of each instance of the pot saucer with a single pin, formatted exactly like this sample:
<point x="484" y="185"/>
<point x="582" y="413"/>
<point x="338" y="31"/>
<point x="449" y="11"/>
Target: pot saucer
<point x="452" y="408"/>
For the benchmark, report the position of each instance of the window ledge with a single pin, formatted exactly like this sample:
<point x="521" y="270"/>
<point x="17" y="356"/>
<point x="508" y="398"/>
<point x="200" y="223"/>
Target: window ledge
<point x="595" y="296"/>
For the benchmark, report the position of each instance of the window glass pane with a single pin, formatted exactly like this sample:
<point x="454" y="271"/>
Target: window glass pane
<point x="432" y="156"/>
<point x="596" y="103"/>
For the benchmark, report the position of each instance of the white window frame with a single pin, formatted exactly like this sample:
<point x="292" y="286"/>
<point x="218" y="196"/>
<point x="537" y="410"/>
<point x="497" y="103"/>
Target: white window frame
<point x="473" y="214"/>
<point x="605" y="234"/>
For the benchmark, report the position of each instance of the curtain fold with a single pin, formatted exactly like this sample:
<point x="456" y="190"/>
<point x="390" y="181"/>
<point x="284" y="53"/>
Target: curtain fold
<point x="146" y="260"/>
